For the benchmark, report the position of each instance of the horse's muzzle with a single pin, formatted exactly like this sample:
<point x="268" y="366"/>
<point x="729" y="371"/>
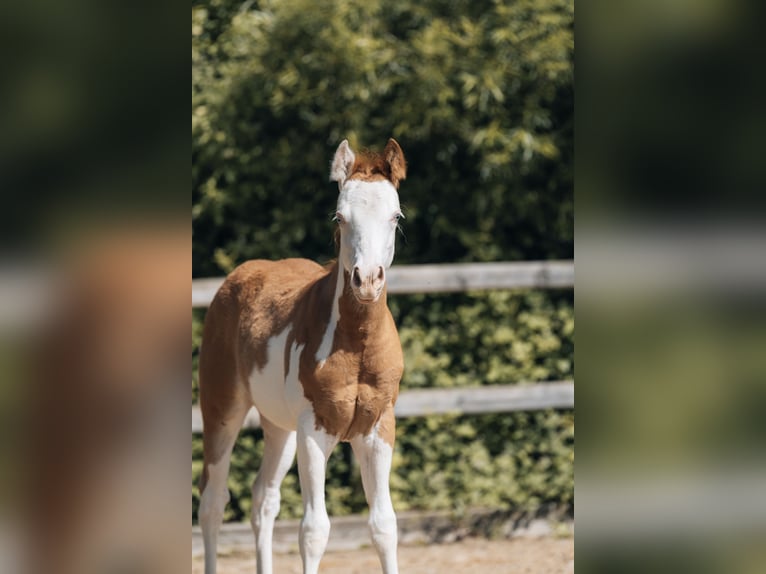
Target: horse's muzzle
<point x="367" y="287"/>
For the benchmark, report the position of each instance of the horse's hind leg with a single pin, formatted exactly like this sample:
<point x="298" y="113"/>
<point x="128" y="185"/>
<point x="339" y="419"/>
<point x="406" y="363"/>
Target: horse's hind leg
<point x="278" y="456"/>
<point x="221" y="428"/>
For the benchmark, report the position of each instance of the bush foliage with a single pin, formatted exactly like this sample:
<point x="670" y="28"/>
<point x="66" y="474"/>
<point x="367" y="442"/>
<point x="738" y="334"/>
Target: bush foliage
<point x="480" y="96"/>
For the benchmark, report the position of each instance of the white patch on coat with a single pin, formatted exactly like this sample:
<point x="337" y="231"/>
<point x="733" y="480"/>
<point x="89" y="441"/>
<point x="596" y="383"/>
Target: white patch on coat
<point x="277" y="395"/>
<point x="325" y="347"/>
<point x="294" y="393"/>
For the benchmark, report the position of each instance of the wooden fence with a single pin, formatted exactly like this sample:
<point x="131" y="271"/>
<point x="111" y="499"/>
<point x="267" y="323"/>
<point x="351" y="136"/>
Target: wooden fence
<point x="444" y="278"/>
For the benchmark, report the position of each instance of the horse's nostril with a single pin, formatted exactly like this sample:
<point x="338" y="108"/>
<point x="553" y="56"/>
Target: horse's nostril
<point x="357" y="278"/>
<point x="381" y="273"/>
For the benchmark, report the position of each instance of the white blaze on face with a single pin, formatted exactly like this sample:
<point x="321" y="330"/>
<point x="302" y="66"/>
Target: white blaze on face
<point x="368" y="214"/>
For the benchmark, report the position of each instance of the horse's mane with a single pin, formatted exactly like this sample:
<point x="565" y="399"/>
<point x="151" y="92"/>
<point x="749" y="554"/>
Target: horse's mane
<point x="369" y="164"/>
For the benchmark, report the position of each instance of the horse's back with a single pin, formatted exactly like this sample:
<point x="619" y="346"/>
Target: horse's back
<point x="264" y="279"/>
<point x="262" y="283"/>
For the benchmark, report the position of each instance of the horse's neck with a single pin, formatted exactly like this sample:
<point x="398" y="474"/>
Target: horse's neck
<point x="354" y="318"/>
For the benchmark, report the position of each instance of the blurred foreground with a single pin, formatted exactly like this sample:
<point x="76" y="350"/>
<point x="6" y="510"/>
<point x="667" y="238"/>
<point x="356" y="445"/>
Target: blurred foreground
<point x="96" y="405"/>
<point x="671" y="285"/>
<point x="95" y="260"/>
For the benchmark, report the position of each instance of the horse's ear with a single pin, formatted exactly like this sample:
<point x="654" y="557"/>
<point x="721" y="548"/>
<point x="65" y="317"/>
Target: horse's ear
<point x="395" y="159"/>
<point x="342" y="163"/>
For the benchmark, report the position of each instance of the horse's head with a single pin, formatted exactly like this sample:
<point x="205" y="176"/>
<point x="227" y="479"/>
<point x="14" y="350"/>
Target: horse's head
<point x="367" y="214"/>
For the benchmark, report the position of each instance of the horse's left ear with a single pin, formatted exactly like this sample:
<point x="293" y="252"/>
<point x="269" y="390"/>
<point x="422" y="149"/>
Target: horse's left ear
<point x="395" y="160"/>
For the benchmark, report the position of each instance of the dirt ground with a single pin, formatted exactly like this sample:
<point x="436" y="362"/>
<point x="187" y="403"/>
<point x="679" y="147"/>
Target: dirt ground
<point x="516" y="556"/>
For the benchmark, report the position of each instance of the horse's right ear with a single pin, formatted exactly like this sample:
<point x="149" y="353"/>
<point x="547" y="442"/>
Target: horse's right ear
<point x="342" y="163"/>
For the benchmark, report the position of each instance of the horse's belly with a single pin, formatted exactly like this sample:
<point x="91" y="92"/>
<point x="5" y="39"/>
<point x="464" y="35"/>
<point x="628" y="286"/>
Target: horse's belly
<point x="278" y="395"/>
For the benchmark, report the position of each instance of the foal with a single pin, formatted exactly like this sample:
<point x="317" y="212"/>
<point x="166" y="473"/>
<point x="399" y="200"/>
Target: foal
<point x="316" y="351"/>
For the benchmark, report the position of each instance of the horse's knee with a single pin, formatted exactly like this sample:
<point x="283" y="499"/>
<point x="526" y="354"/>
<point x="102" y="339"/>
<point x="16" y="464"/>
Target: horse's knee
<point x="383" y="528"/>
<point x="315" y="532"/>
<point x="265" y="506"/>
<point x="212" y="506"/>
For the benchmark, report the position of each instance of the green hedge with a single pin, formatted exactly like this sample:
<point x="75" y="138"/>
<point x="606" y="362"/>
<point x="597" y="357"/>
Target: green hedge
<point x="479" y="93"/>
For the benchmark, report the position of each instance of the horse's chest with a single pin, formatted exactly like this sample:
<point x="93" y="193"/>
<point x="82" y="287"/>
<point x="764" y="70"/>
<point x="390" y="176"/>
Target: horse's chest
<point x="349" y="392"/>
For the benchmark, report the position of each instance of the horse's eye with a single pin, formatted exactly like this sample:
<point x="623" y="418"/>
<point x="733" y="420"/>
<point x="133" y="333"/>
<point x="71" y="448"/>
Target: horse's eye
<point x="397" y="217"/>
<point x="338" y="217"/>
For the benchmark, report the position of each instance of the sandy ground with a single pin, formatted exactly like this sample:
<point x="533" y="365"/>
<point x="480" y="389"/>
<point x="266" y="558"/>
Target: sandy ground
<point x="520" y="555"/>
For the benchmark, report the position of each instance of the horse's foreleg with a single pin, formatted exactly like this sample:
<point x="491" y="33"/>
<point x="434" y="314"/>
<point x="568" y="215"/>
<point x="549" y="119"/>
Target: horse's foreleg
<point x="278" y="455"/>
<point x="374" y="454"/>
<point x="314" y="448"/>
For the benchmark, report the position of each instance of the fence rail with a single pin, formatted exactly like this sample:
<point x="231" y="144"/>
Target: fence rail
<point x="447" y="278"/>
<point x="463" y="400"/>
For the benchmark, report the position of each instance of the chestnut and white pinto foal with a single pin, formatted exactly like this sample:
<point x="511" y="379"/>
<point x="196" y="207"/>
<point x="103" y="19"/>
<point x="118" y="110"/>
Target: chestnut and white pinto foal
<point x="317" y="352"/>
